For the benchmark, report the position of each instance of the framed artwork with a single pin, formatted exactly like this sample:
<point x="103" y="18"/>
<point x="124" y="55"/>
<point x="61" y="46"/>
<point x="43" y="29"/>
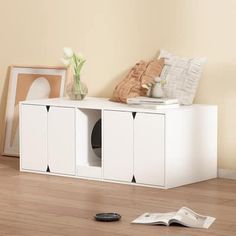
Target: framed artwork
<point x="29" y="83"/>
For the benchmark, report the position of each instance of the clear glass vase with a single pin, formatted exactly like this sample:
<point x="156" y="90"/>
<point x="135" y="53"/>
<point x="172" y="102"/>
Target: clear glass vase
<point x="76" y="90"/>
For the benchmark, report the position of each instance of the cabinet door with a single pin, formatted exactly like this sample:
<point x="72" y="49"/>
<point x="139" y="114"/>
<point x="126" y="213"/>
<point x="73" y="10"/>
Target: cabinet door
<point x="149" y="148"/>
<point x="118" y="145"/>
<point x="33" y="137"/>
<point x="61" y="140"/>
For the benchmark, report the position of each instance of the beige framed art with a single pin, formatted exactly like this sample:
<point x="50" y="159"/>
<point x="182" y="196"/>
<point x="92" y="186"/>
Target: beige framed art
<point x="29" y="83"/>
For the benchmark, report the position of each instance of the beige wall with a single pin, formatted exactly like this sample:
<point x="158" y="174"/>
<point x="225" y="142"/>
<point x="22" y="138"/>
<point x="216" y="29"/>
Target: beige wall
<point x="114" y="34"/>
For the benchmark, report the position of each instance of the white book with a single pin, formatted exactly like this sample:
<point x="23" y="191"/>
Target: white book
<point x="149" y="100"/>
<point x="155" y="106"/>
<point x="184" y="216"/>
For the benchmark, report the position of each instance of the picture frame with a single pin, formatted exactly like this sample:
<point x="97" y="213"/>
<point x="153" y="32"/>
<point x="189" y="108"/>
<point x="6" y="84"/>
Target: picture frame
<point x="29" y="83"/>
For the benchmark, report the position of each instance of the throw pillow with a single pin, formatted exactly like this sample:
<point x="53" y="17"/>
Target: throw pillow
<point x="182" y="76"/>
<point x="131" y="86"/>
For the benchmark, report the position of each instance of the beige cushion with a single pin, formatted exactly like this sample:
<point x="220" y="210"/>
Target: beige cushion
<point x="131" y="86"/>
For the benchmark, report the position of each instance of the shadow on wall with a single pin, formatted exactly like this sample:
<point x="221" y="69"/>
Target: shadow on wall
<point x="108" y="89"/>
<point x="3" y="102"/>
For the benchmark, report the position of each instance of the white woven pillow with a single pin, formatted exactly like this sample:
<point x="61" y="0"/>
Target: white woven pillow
<point x="182" y="76"/>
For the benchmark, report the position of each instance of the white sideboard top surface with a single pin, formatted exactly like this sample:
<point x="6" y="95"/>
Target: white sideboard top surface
<point x="105" y="104"/>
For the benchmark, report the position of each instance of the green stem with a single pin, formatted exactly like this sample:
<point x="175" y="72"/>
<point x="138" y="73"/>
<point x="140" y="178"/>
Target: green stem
<point x="77" y="65"/>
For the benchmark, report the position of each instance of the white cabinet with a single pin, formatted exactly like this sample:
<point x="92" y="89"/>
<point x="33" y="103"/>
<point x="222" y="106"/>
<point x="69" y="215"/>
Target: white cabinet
<point x="149" y="148"/>
<point x="99" y="139"/>
<point x="33" y="141"/>
<point x="48" y="139"/>
<point x="118" y="145"/>
<point x="134" y="147"/>
<point x="61" y="140"/>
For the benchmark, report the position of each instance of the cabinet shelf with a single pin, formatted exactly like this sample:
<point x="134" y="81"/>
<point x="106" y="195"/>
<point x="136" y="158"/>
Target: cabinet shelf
<point x="88" y="145"/>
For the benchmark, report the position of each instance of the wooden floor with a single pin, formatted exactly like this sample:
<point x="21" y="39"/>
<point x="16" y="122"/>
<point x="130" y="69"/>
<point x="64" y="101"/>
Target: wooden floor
<point x="32" y="204"/>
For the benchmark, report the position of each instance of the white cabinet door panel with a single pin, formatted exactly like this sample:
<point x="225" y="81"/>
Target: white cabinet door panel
<point x="149" y="148"/>
<point x="61" y="140"/>
<point x="118" y="145"/>
<point x="33" y="130"/>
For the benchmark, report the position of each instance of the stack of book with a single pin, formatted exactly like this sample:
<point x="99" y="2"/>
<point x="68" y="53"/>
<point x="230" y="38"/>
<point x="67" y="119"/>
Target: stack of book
<point x="153" y="103"/>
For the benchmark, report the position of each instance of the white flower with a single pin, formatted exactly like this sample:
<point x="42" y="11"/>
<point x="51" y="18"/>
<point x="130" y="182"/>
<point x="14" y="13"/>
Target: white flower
<point x="75" y="60"/>
<point x="145" y="86"/>
<point x="80" y="56"/>
<point x="157" y="79"/>
<point x="66" y="62"/>
<point x="68" y="52"/>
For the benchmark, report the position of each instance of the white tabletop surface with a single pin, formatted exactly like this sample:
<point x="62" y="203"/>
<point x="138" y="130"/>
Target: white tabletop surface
<point x="105" y="104"/>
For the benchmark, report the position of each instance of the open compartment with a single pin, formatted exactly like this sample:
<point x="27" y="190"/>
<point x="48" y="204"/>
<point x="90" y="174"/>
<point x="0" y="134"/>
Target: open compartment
<point x="89" y="143"/>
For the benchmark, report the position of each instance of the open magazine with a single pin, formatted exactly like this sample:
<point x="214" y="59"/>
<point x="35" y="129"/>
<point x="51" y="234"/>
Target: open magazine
<point x="184" y="216"/>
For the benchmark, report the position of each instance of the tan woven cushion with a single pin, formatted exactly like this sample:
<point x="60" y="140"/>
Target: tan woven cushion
<point x="131" y="86"/>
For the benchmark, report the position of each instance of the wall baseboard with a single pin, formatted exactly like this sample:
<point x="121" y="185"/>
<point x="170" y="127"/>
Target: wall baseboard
<point x="226" y="174"/>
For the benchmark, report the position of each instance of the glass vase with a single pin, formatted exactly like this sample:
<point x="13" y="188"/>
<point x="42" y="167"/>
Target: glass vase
<point x="76" y="90"/>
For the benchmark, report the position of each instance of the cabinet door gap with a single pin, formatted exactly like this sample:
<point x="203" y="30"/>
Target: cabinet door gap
<point x="134" y="114"/>
<point x="133" y="179"/>
<point x="48" y="169"/>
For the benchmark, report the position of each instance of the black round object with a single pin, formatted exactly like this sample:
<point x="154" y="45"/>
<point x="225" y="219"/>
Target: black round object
<point x="107" y="217"/>
<point x="96" y="138"/>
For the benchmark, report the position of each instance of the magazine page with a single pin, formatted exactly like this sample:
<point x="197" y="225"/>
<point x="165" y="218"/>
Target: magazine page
<point x="155" y="218"/>
<point x="187" y="217"/>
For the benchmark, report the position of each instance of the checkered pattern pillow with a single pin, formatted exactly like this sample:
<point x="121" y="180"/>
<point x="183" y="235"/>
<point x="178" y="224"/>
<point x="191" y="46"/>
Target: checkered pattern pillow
<point x="182" y="76"/>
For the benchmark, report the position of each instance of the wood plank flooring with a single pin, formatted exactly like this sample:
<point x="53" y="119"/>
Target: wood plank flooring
<point x="33" y="204"/>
